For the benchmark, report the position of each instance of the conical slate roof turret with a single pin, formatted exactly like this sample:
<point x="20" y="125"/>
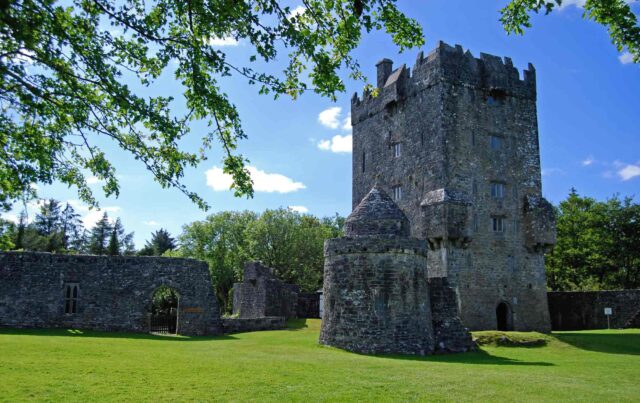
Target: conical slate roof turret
<point x="377" y="214"/>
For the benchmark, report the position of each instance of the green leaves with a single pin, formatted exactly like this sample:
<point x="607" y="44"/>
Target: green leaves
<point x="63" y="69"/>
<point x="615" y="15"/>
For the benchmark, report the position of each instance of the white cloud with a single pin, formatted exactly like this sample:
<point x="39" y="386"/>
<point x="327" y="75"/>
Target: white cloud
<point x="151" y="223"/>
<point x="10" y="217"/>
<point x="299" y="209"/>
<point x="346" y="123"/>
<point x="337" y="144"/>
<point x="92" y="180"/>
<point x="629" y="171"/>
<point x="588" y="161"/>
<point x="91" y="217"/>
<point x="226" y="41"/>
<point x="262" y="181"/>
<point x="330" y="117"/>
<point x="296" y="11"/>
<point x="625" y="58"/>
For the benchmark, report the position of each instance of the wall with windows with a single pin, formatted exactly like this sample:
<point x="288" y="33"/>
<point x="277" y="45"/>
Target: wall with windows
<point x="455" y="142"/>
<point x="109" y="293"/>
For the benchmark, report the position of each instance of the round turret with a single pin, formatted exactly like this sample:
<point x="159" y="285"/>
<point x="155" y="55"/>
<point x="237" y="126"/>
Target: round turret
<point x="377" y="215"/>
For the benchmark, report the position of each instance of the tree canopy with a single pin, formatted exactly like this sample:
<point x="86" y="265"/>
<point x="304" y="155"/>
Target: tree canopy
<point x="65" y="65"/>
<point x="597" y="246"/>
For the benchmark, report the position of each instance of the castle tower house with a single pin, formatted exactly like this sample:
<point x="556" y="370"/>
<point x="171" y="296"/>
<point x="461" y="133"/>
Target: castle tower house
<point x="455" y="143"/>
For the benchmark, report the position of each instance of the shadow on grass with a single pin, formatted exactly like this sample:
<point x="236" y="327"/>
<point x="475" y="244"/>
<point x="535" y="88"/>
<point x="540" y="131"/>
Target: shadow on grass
<point x="604" y="342"/>
<point x="297" y="324"/>
<point x="478" y="357"/>
<point x="108" y="335"/>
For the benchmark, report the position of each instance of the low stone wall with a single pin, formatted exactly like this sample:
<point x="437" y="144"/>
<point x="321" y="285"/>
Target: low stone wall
<point x="113" y="293"/>
<point x="241" y="325"/>
<point x="578" y="310"/>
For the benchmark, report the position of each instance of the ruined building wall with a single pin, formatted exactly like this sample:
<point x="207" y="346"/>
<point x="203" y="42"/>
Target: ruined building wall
<point x="261" y="294"/>
<point x="464" y="125"/>
<point x="115" y="292"/>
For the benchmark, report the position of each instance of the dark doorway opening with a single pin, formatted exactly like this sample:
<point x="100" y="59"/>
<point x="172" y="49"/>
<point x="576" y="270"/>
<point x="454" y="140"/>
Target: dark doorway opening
<point x="503" y="316"/>
<point x="164" y="311"/>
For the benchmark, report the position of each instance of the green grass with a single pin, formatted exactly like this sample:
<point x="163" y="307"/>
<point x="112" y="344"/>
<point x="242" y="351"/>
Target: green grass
<point x="57" y="365"/>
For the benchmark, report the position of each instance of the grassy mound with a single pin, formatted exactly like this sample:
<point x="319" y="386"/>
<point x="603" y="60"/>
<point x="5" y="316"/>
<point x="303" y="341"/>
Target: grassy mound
<point x="510" y="339"/>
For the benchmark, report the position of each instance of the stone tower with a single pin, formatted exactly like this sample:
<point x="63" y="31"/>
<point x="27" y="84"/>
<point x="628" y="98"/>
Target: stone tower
<point x="377" y="296"/>
<point x="455" y="142"/>
<point x="376" y="291"/>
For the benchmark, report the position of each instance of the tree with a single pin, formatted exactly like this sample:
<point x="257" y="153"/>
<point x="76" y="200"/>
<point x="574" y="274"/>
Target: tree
<point x="62" y="66"/>
<point x="221" y="241"/>
<point x="615" y="15"/>
<point x="596" y="244"/>
<point x="71" y="228"/>
<point x="161" y="241"/>
<point x="7" y="228"/>
<point x="48" y="224"/>
<point x="99" y="236"/>
<point x="120" y="243"/>
<point x="78" y="52"/>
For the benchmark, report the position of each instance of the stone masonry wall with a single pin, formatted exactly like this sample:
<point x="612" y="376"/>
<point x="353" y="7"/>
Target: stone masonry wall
<point x="579" y="310"/>
<point x="463" y="125"/>
<point x="262" y="294"/>
<point x="114" y="292"/>
<point x="376" y="296"/>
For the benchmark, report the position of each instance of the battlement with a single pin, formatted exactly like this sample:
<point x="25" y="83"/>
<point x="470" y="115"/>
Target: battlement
<point x="493" y="75"/>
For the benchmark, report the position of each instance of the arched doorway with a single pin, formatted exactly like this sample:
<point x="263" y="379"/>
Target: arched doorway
<point x="504" y="317"/>
<point x="164" y="310"/>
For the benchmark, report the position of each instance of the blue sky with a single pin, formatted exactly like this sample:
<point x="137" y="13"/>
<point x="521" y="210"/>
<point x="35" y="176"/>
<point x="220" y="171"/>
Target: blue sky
<point x="588" y="110"/>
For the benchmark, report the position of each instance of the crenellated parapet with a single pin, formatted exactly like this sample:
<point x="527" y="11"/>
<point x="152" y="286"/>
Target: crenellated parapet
<point x="496" y="77"/>
<point x="447" y="218"/>
<point x="539" y="224"/>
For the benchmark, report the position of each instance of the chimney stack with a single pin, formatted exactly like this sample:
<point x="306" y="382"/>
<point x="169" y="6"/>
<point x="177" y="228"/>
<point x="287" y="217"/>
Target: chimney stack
<point x="384" y="67"/>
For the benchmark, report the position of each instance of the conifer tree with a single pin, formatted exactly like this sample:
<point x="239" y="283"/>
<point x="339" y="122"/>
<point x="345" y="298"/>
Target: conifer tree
<point x="99" y="236"/>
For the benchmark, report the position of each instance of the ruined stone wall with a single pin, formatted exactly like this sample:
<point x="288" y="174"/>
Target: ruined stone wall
<point x="262" y="294"/>
<point x="376" y="296"/>
<point x="444" y="114"/>
<point x="580" y="310"/>
<point x="115" y="292"/>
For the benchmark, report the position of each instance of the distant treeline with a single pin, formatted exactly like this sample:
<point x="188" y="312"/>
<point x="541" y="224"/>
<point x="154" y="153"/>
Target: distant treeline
<point x="598" y="246"/>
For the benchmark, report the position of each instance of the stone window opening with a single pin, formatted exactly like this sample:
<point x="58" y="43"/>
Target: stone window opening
<point x="497" y="224"/>
<point x="496" y="142"/>
<point x="497" y="190"/>
<point x="363" y="161"/>
<point x="496" y="96"/>
<point x="475" y="222"/>
<point x="397" y="193"/>
<point x="397" y="150"/>
<point x="71" y="298"/>
<point x="473" y="138"/>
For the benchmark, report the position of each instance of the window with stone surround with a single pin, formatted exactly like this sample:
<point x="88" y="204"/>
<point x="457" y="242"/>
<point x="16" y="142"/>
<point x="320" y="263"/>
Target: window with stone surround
<point x="397" y="193"/>
<point x="497" y="224"/>
<point x="497" y="190"/>
<point x="363" y="161"/>
<point x="397" y="149"/>
<point x="71" y="298"/>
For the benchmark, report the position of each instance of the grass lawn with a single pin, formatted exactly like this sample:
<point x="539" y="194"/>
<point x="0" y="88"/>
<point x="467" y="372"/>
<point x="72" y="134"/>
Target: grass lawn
<point x="68" y="365"/>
